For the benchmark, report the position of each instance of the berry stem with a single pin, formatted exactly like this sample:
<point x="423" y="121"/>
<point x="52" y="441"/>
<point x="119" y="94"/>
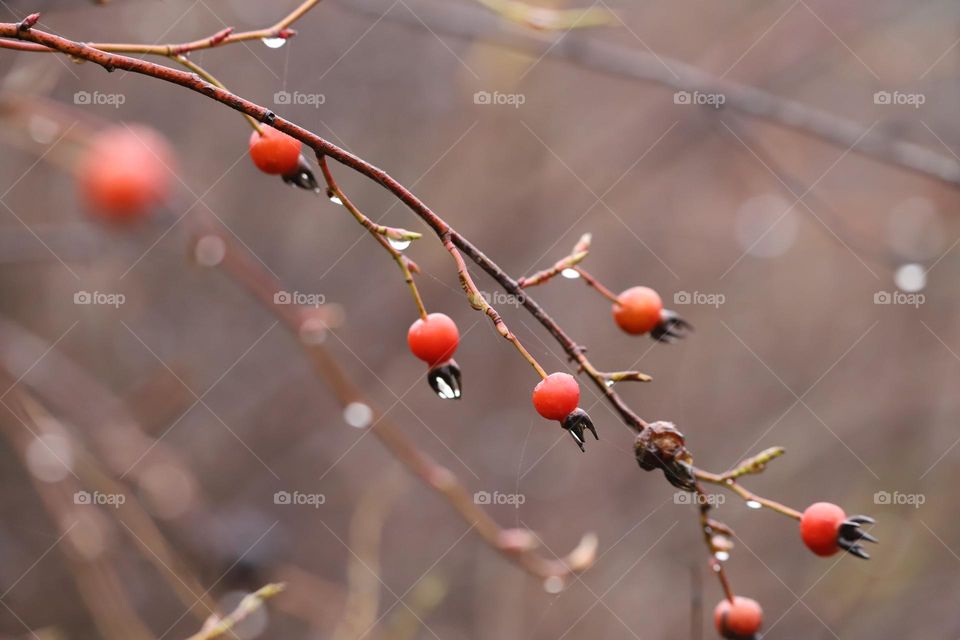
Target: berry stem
<point x="478" y="302"/>
<point x="209" y="77"/>
<point x="579" y="252"/>
<point x="590" y="281"/>
<point x="748" y="496"/>
<point x="380" y="233"/>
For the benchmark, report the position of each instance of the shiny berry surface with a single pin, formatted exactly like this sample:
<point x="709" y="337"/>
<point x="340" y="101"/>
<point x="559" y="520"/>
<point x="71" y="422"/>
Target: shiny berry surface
<point x="740" y="619"/>
<point x="637" y="310"/>
<point x="274" y="152"/>
<point x="125" y="172"/>
<point x="433" y="339"/>
<point x="820" y="528"/>
<point x="556" y="396"/>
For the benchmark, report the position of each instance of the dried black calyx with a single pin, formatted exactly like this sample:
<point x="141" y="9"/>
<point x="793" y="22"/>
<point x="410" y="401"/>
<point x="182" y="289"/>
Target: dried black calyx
<point x="850" y="535"/>
<point x="661" y="446"/>
<point x="671" y="327"/>
<point x="302" y="177"/>
<point x="444" y="379"/>
<point x="575" y="423"/>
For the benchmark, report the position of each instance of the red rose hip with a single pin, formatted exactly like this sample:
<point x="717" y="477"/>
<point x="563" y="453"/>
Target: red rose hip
<point x="556" y="396"/>
<point x="125" y="172"/>
<point x="275" y="152"/>
<point x="637" y="310"/>
<point x="820" y="528"/>
<point x="433" y="339"/>
<point x="739" y="619"/>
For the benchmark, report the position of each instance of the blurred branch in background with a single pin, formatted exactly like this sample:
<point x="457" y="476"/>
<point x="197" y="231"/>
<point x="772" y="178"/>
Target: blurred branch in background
<point x="594" y="53"/>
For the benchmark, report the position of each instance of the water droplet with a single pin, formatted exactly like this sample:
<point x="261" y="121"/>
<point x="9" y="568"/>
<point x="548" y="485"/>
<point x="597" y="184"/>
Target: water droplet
<point x="753" y="504"/>
<point x="358" y="415"/>
<point x="43" y="130"/>
<point x="570" y="274"/>
<point x="911" y="278"/>
<point x="274" y="43"/>
<point x="313" y="331"/>
<point x="399" y="245"/>
<point x="722" y="556"/>
<point x="334" y="198"/>
<point x="209" y="251"/>
<point x="553" y="585"/>
<point x="50" y="457"/>
<point x="445" y="391"/>
<point x="766" y="226"/>
<point x="610" y="383"/>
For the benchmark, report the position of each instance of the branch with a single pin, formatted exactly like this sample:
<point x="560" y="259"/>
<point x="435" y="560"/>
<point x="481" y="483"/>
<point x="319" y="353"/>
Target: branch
<point x="613" y="59"/>
<point x="251" y="602"/>
<point x="517" y="544"/>
<point x="321" y="146"/>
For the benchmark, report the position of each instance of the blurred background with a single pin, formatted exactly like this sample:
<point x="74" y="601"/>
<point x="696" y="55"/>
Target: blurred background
<point x="821" y="282"/>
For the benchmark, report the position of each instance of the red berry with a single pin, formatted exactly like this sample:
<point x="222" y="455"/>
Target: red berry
<point x="820" y="528"/>
<point x="556" y="396"/>
<point x="274" y="152"/>
<point x="740" y="619"/>
<point x="637" y="310"/>
<point x="433" y="339"/>
<point x="125" y="172"/>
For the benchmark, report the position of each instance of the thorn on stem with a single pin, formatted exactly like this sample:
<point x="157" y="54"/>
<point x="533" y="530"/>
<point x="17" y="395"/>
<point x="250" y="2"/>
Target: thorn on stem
<point x="269" y="117"/>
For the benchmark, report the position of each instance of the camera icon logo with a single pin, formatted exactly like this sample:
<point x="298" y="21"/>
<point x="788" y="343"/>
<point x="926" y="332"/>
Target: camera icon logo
<point x="882" y="297"/>
<point x="282" y="97"/>
<point x="282" y="497"/>
<point x="882" y="497"/>
<point x="482" y="497"/>
<point x="82" y="497"/>
<point x="82" y="297"/>
<point x="882" y="97"/>
<point x="682" y="97"/>
<point x="282" y="297"/>
<point x="681" y="297"/>
<point x="82" y="97"/>
<point x="482" y="97"/>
